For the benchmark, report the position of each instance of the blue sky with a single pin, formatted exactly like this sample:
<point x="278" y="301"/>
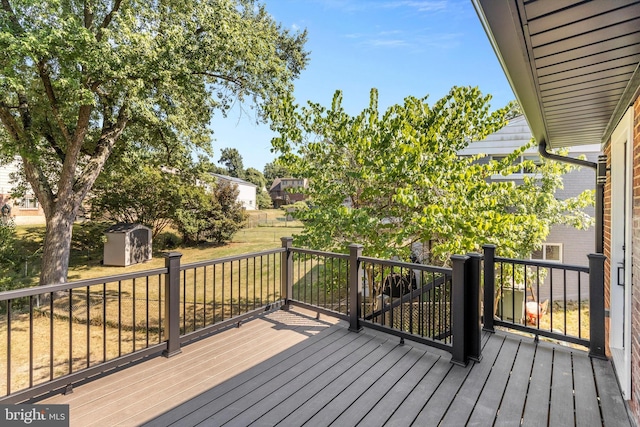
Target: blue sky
<point x="400" y="47"/>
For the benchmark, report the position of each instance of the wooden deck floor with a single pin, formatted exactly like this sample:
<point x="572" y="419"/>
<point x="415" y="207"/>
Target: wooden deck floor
<point x="288" y="369"/>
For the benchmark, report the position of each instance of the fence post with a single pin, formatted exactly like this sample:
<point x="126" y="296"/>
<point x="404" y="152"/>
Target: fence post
<point x="596" y="306"/>
<point x="489" y="287"/>
<point x="355" y="287"/>
<point x="473" y="330"/>
<point x="458" y="311"/>
<point x="172" y="303"/>
<point x="286" y="271"/>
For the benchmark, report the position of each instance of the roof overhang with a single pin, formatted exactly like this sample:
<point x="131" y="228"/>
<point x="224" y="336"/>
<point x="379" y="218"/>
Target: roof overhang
<point x="573" y="65"/>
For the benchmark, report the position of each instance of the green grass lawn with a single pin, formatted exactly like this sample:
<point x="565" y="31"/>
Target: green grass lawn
<point x="86" y="264"/>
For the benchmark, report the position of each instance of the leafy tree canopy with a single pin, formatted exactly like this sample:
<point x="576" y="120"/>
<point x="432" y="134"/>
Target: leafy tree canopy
<point x="386" y="180"/>
<point x="231" y="158"/>
<point x="256" y="177"/>
<point x="275" y="170"/>
<point x="80" y="78"/>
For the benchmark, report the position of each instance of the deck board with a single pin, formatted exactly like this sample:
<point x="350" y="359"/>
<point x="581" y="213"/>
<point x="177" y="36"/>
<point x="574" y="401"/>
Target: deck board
<point x="466" y="398"/>
<point x="561" y="410"/>
<point x="284" y="383"/>
<point x="587" y="408"/>
<point x="613" y="408"/>
<point x="515" y="394"/>
<point x="394" y="396"/>
<point x="290" y="369"/>
<point x="286" y="400"/>
<point x="488" y="403"/>
<point x="536" y="410"/>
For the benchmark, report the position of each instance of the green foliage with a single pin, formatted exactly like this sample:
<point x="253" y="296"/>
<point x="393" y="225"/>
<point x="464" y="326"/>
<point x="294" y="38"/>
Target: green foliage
<point x="232" y="160"/>
<point x="263" y="200"/>
<point x="403" y="181"/>
<point x="89" y="239"/>
<point x="166" y="241"/>
<point x="210" y="216"/>
<point x="82" y="80"/>
<point x="256" y="177"/>
<point x="12" y="258"/>
<point x="275" y="170"/>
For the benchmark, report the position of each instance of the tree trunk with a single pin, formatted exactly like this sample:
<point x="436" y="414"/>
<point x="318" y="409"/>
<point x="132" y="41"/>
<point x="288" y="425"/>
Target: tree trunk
<point x="57" y="247"/>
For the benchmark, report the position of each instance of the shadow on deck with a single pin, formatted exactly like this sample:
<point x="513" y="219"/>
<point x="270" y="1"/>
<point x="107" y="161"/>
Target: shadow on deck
<point x="287" y="368"/>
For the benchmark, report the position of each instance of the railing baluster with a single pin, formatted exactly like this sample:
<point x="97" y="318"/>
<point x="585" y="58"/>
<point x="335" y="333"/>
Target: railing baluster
<point x="31" y="341"/>
<point x="9" y="314"/>
<point x="88" y="328"/>
<point x="134" y="314"/>
<point x="70" y="342"/>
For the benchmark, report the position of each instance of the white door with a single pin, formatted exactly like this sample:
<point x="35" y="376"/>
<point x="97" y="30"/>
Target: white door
<point x="621" y="221"/>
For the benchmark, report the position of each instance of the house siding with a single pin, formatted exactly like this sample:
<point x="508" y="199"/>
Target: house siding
<point x="19" y="214"/>
<point x="634" y="404"/>
<point x="576" y="244"/>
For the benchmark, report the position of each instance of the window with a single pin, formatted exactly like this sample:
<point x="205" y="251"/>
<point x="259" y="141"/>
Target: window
<point x="548" y="252"/>
<point x="29" y="202"/>
<point x="525" y="157"/>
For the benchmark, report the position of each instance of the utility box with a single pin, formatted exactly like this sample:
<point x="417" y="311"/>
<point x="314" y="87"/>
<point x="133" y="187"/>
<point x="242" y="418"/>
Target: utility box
<point x="511" y="305"/>
<point x="127" y="244"/>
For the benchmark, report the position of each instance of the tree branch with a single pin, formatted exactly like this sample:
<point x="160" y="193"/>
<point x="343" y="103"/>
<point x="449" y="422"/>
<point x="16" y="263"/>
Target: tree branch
<point x="104" y="147"/>
<point x="10" y="124"/>
<point x="13" y="19"/>
<point x="48" y="134"/>
<point x="88" y="14"/>
<point x="107" y="19"/>
<point x="236" y="80"/>
<point x="48" y="87"/>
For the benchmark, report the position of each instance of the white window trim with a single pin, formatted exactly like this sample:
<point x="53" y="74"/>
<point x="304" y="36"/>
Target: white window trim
<point x="544" y="253"/>
<point x="30" y="208"/>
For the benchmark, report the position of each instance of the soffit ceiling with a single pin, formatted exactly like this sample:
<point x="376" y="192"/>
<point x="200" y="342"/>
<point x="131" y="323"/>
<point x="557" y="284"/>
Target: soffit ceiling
<point x="573" y="65"/>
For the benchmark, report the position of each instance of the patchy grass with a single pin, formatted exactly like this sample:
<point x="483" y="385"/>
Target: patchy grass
<point x="83" y="265"/>
<point x="100" y="325"/>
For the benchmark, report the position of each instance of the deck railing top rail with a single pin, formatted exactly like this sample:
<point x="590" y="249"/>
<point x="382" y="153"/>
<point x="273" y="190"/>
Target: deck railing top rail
<point x="231" y="258"/>
<point x="407" y="265"/>
<point x="545" y="264"/>
<point x="45" y="289"/>
<point x="320" y="253"/>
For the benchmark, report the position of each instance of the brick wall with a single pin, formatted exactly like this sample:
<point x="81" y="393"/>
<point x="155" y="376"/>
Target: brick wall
<point x="635" y="291"/>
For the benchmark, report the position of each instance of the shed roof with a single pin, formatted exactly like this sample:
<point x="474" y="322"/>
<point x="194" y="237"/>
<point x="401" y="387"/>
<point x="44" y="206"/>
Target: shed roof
<point x="125" y="227"/>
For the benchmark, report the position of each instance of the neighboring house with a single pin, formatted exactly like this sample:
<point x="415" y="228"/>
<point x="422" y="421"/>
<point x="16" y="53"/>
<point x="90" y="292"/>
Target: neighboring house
<point x="26" y="210"/>
<point x="283" y="191"/>
<point x="246" y="191"/>
<point x="574" y="67"/>
<point x="564" y="244"/>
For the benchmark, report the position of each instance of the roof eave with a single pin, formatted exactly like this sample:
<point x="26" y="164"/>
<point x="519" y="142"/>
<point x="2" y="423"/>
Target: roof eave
<point x="501" y="22"/>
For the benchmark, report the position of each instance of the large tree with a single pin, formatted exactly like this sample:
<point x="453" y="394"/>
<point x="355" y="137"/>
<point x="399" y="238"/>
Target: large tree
<point x="231" y="158"/>
<point x="275" y="170"/>
<point x="404" y="181"/>
<point x="79" y="78"/>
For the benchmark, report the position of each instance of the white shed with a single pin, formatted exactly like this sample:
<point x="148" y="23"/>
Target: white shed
<point x="127" y="244"/>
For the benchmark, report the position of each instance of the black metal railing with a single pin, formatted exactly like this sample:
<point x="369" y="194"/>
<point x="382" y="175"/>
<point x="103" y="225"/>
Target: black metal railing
<point x="53" y="336"/>
<point x="412" y="301"/>
<point x="320" y="281"/>
<point x="558" y="301"/>
<point x="215" y="292"/>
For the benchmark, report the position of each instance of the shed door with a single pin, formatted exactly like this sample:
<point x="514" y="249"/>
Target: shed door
<point x="138" y="246"/>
